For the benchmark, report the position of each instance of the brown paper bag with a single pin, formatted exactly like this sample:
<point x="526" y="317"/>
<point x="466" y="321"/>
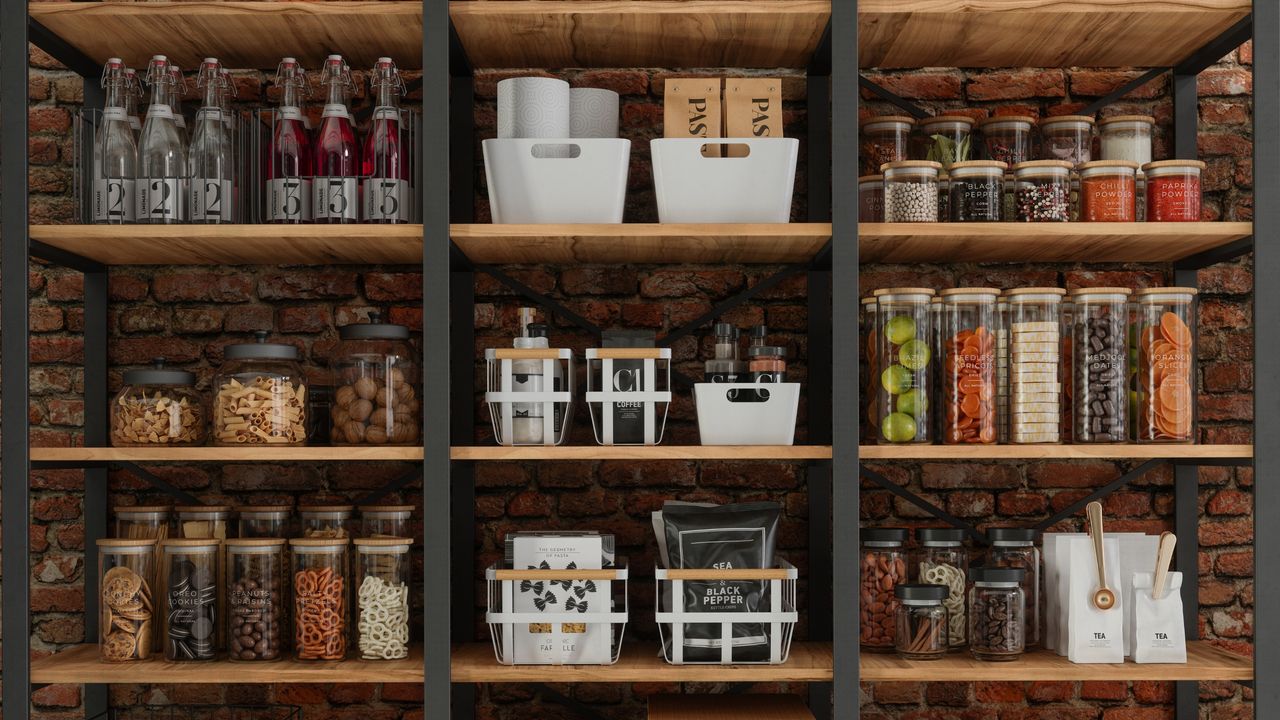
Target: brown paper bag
<point x="752" y="109"/>
<point x="691" y="108"/>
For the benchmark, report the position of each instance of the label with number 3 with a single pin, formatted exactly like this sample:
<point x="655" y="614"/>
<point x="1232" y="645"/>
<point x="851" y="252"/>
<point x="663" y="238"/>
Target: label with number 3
<point x="386" y="200"/>
<point x="335" y="198"/>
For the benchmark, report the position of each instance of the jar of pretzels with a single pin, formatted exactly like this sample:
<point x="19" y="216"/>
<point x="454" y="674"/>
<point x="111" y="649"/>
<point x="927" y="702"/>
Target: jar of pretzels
<point x="375" y="401"/>
<point x="257" y="599"/>
<point x="260" y="395"/>
<point x="326" y="521"/>
<point x="318" y="573"/>
<point x="126" y="572"/>
<point x="158" y="406"/>
<point x="382" y="598"/>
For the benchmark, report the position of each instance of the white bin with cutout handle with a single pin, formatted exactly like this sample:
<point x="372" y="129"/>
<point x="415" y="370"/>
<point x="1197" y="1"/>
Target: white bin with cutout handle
<point x="747" y="413"/>
<point x="557" y="181"/>
<point x="692" y="188"/>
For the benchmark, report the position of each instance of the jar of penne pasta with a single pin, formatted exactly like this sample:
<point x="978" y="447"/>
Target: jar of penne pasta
<point x="260" y="395"/>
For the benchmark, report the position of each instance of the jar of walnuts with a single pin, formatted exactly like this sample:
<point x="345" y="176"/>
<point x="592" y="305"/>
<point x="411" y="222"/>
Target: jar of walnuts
<point x="375" y="401"/>
<point x="158" y="406"/>
<point x="260" y="395"/>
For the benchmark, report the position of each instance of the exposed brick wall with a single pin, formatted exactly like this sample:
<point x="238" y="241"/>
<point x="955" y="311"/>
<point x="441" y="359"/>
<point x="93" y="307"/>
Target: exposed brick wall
<point x="188" y="314"/>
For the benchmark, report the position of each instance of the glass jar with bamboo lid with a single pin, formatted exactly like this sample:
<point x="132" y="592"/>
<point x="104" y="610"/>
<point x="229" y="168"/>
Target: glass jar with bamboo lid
<point x="126" y="576"/>
<point x="257" y="599"/>
<point x="326" y="521"/>
<point x="382" y="575"/>
<point x="203" y="522"/>
<point x="377" y="521"/>
<point x="264" y="521"/>
<point x="142" y="521"/>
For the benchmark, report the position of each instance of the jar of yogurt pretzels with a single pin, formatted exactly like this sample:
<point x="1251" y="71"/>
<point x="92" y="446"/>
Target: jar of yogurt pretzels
<point x="375" y="401"/>
<point x="260" y="395"/>
<point x="126" y="572"/>
<point x="382" y="598"/>
<point x="319" y="580"/>
<point x="158" y="406"/>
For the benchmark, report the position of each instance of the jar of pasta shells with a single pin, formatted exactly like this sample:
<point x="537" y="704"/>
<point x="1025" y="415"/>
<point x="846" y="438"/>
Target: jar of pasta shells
<point x="382" y="598"/>
<point x="374" y="379"/>
<point x="126" y="572"/>
<point x="318" y="575"/>
<point x="158" y="406"/>
<point x="260" y="395"/>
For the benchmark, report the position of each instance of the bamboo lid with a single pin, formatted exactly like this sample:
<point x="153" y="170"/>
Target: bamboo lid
<point x="946" y="119"/>
<point x="304" y="509"/>
<point x="1100" y="291"/>
<point x="318" y="542"/>
<point x="140" y="509"/>
<point x="1175" y="163"/>
<point x="887" y="119"/>
<point x="978" y="164"/>
<point x="1109" y="164"/>
<point x="192" y="509"/>
<point x="123" y="543"/>
<point x="1166" y="291"/>
<point x="211" y="543"/>
<point x="1043" y="164"/>
<point x="969" y="291"/>
<point x="1127" y="118"/>
<point x="385" y="508"/>
<point x="1007" y="118"/>
<point x="911" y="164"/>
<point x="255" y="542"/>
<point x="1055" y="119"/>
<point x="1035" y="291"/>
<point x="870" y="178"/>
<point x="383" y="542"/>
<point x="263" y="509"/>
<point x="905" y="291"/>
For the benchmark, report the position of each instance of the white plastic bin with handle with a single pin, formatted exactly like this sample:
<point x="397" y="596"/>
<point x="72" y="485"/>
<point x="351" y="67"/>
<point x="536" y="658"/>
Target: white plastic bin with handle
<point x="747" y="413"/>
<point x="756" y="188"/>
<point x="557" y="181"/>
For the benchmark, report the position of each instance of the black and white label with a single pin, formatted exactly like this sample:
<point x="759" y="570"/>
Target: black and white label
<point x="720" y="377"/>
<point x="113" y="200"/>
<point x="159" y="200"/>
<point x="289" y="200"/>
<point x="386" y="200"/>
<point x="335" y="198"/>
<point x="210" y="200"/>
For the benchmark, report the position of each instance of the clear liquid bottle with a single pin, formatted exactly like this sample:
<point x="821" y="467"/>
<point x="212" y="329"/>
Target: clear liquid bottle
<point x="288" y="191"/>
<point x="226" y="90"/>
<point x="385" y="160"/>
<point x="115" y="154"/>
<point x="162" y="157"/>
<point x="176" y="93"/>
<point x="335" y="196"/>
<point x="725" y="367"/>
<point x="133" y="94"/>
<point x="209" y="163"/>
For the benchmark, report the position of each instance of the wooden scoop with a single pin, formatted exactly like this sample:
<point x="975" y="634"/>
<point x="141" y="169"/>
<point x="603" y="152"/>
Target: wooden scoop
<point x="1167" y="541"/>
<point x="1103" y="598"/>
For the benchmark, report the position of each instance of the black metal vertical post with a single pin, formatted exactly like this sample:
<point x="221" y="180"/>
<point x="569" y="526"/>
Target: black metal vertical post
<point x="1186" y="117"/>
<point x="818" y="475"/>
<point x="462" y="475"/>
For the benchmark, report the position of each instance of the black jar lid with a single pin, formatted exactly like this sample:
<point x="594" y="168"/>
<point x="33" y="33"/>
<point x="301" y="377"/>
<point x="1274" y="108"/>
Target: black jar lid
<point x="760" y="331"/>
<point x="159" y="374"/>
<point x="260" y="349"/>
<point x="884" y="535"/>
<point x="997" y="575"/>
<point x="375" y="329"/>
<point x="535" y="330"/>
<point x="1011" y="535"/>
<point x="927" y="536"/>
<point x="921" y="591"/>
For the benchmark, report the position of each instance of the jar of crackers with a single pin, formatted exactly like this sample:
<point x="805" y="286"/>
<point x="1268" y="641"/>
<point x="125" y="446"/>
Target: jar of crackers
<point x="127" y="571"/>
<point x="260" y="395"/>
<point x="318" y="574"/>
<point x="158" y="406"/>
<point x="374" y="379"/>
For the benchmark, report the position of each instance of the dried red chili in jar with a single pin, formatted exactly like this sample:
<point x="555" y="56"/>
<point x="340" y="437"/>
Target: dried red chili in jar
<point x="1108" y="189"/>
<point x="1173" y="190"/>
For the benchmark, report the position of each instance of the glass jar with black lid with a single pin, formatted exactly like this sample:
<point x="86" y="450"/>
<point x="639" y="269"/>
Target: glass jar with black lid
<point x="922" y="621"/>
<point x="1016" y="548"/>
<point x="260" y="395"/>
<point x="943" y="560"/>
<point x="883" y="567"/>
<point x="158" y="405"/>
<point x="997" y="614"/>
<point x="375" y="380"/>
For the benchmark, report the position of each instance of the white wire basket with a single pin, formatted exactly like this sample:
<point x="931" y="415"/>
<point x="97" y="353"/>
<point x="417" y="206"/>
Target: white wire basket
<point x="647" y="393"/>
<point x="778" y="618"/>
<point x="503" y="587"/>
<point x="525" y="407"/>
<point x="747" y="413"/>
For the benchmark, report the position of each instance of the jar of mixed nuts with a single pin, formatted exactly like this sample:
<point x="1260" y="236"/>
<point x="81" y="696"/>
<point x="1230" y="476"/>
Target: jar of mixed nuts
<point x="884" y="566"/>
<point x="911" y="191"/>
<point x="871" y="199"/>
<point x="1042" y="191"/>
<point x="976" y="191"/>
<point x="158" y="406"/>
<point x="261" y="395"/>
<point x="944" y="561"/>
<point x="1007" y="138"/>
<point x="1016" y="548"/>
<point x="885" y="139"/>
<point x="922" y="621"/>
<point x="997" y="612"/>
<point x="374" y="380"/>
<point x="1067" y="137"/>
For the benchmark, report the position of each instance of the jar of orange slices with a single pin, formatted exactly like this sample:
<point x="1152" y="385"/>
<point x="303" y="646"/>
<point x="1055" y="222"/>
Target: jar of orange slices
<point x="968" y="345"/>
<point x="1164" y="328"/>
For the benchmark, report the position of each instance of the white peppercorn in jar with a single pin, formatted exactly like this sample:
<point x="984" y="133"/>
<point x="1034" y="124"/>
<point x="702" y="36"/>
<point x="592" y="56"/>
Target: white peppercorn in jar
<point x="911" y="191"/>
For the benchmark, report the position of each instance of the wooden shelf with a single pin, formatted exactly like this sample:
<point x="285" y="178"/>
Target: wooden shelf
<point x="641" y="243"/>
<point x="80" y="664"/>
<point x="237" y="244"/>
<point x="227" y="454"/>
<point x="1039" y="33"/>
<point x="1054" y="452"/>
<point x="654" y="33"/>
<point x="783" y="453"/>
<point x="1043" y="242"/>
<point x="245" y="35"/>
<point x="1204" y="662"/>
<point x="475" y="663"/>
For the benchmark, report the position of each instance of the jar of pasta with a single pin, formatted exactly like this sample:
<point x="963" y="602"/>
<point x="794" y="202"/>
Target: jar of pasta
<point x="203" y="522"/>
<point x="1173" y="190"/>
<point x="945" y="561"/>
<point x="1108" y="191"/>
<point x="905" y="335"/>
<point x="318" y="572"/>
<point x="326" y="521"/>
<point x="968" y="346"/>
<point x="257" y="599"/>
<point x="377" y="521"/>
<point x="885" y="139"/>
<point x="1035" y="367"/>
<point x="126" y="574"/>
<point x="260" y="395"/>
<point x="158" y="406"/>
<point x="382" y="597"/>
<point x="264" y="521"/>
<point x="1164" y="328"/>
<point x="1068" y="138"/>
<point x="1007" y="138"/>
<point x="190" y="580"/>
<point x="142" y="521"/>
<point x="374" y="380"/>
<point x="945" y="139"/>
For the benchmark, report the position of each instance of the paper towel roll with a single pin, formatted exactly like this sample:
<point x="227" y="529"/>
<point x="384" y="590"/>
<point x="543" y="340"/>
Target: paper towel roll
<point x="533" y="107"/>
<point x="593" y="113"/>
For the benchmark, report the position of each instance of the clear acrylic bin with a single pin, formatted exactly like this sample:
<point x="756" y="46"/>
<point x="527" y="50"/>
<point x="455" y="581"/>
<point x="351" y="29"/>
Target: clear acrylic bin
<point x="505" y="585"/>
<point x="779" y="618"/>
<point x="747" y="413"/>
<point x="531" y="411"/>
<point x="637" y="413"/>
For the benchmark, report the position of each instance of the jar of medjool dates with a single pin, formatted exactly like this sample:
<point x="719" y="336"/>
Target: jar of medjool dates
<point x="375" y="401"/>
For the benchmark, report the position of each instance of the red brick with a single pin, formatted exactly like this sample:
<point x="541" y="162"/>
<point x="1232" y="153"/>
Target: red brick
<point x="901" y="693"/>
<point x="393" y="286"/>
<point x="1103" y="690"/>
<point x="1235" y="564"/>
<point x="596" y="280"/>
<point x="1127" y="504"/>
<point x="1017" y="84"/>
<point x="623" y="82"/>
<point x="1021" y="503"/>
<point x="198" y="320"/>
<point x="1071" y="474"/>
<point x="618" y="474"/>
<point x="1096" y="83"/>
<point x="964" y="503"/>
<point x="67" y="287"/>
<point x="1165" y="713"/>
<point x="61" y="598"/>
<point x="304" y="319"/>
<point x="999" y="692"/>
<point x="45" y="319"/>
<point x="1224" y="81"/>
<point x="247" y="318"/>
<point x="592" y="503"/>
<point x="1227" y="376"/>
<point x="924" y="85"/>
<point x="127" y="287"/>
<point x="1225" y="532"/>
<point x="42" y="150"/>
<point x="307" y="285"/>
<point x="59" y="507"/>
<point x="141" y="350"/>
<point x="1231" y="502"/>
<point x="57" y="696"/>
<point x="642" y="315"/>
<point x="1046" y="691"/>
<point x="683" y="283"/>
<point x="144" y="319"/>
<point x="70" y="536"/>
<point x="199" y="286"/>
<point x="530" y="504"/>
<point x="48" y="119"/>
<point x="940" y="476"/>
<point x="402" y="692"/>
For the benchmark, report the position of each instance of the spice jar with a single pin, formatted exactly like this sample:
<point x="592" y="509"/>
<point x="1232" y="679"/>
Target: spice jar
<point x="1068" y="138"/>
<point x="374" y="376"/>
<point x="884" y="565"/>
<point x="871" y="199"/>
<point x="191" y="617"/>
<point x="1127" y="137"/>
<point x="158" y="406"/>
<point x="945" y="139"/>
<point x="944" y="197"/>
<point x="382" y="598"/>
<point x="976" y="191"/>
<point x="126" y="573"/>
<point x="257" y="602"/>
<point x="326" y="521"/>
<point x="869" y="377"/>
<point x="911" y="191"/>
<point x="1007" y="138"/>
<point x="264" y="521"/>
<point x="997" y="610"/>
<point x="1016" y="548"/>
<point x="968" y="346"/>
<point x="1042" y="191"/>
<point x="1173" y="190"/>
<point x="1035" y="373"/>
<point x="1100" y="364"/>
<point x="906" y="370"/>
<point x="261" y="395"/>
<point x="922" y="624"/>
<point x="138" y="522"/>
<point x="319" y="574"/>
<point x="1108" y="189"/>
<point x="203" y="522"/>
<point x="378" y="521"/>
<point x="884" y="139"/>
<point x="767" y="364"/>
<point x="1165" y="333"/>
<point x="944" y="561"/>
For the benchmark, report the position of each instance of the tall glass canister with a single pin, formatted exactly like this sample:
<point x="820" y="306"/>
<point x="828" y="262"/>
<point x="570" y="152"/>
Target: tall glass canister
<point x="191" y="581"/>
<point x="906" y="365"/>
<point x="126" y="575"/>
<point x="319" y="575"/>
<point x="1100" y="365"/>
<point x="868" y="376"/>
<point x="1035" y="364"/>
<point x="382" y="597"/>
<point x="1165" y="329"/>
<point x="1016" y="548"/>
<point x="1002" y="369"/>
<point x="257" y="599"/>
<point x="883" y="568"/>
<point x="968" y="360"/>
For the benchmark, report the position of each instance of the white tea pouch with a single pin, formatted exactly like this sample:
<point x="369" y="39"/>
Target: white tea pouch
<point x="1055" y="610"/>
<point x="1137" y="552"/>
<point x="1158" y="633"/>
<point x="1093" y="635"/>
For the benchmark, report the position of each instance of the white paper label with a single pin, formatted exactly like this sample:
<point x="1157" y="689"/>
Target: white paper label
<point x="290" y="112"/>
<point x="160" y="199"/>
<point x="386" y="200"/>
<point x="113" y="113"/>
<point x="334" y="198"/>
<point x="289" y="200"/>
<point x="336" y="110"/>
<point x="160" y="111"/>
<point x="387" y="112"/>
<point x="210" y="199"/>
<point x="113" y="200"/>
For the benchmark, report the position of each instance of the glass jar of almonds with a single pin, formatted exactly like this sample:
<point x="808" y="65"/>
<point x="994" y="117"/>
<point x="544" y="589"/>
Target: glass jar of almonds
<point x="158" y="406"/>
<point x="260" y="395"/>
<point x="375" y="398"/>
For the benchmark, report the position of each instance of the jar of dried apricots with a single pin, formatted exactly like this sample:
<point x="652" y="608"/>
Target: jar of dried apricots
<point x="968" y="347"/>
<point x="1164" y="325"/>
<point x="905" y="363"/>
<point x="319" y="576"/>
<point x="1100" y="364"/>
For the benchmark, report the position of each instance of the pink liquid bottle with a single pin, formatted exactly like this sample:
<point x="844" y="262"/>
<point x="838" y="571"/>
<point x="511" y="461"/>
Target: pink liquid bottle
<point x="385" y="191"/>
<point x="335" y="193"/>
<point x="288" y="161"/>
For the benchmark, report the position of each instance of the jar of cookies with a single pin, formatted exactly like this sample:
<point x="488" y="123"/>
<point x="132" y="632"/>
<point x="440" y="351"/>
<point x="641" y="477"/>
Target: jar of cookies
<point x="379" y="521"/>
<point x="1164" y="328"/>
<point x="257" y="601"/>
<point x="203" y="522"/>
<point x="326" y="521"/>
<point x="190" y="581"/>
<point x="318" y="571"/>
<point x="382" y="597"/>
<point x="264" y="521"/>
<point x="158" y="406"/>
<point x="883" y="567"/>
<point x="142" y="521"/>
<point x="374" y="381"/>
<point x="260" y="395"/>
<point x="126" y="572"/>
